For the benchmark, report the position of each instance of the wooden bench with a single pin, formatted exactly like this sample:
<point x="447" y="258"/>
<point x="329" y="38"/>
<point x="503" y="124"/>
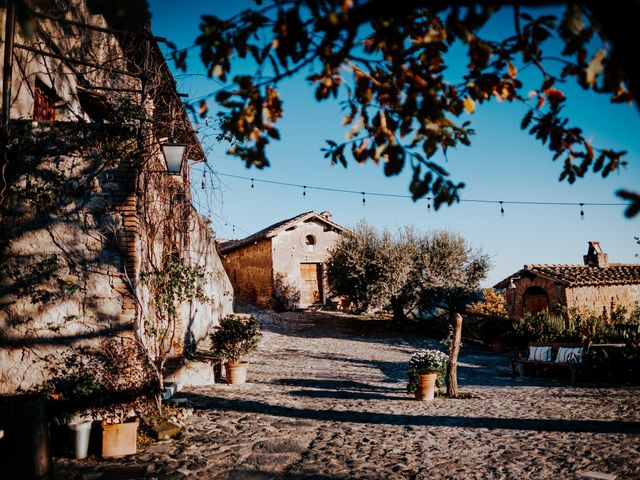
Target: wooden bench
<point x="573" y="364"/>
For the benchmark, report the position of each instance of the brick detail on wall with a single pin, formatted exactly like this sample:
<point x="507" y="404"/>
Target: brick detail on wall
<point x="515" y="298"/>
<point x="125" y="203"/>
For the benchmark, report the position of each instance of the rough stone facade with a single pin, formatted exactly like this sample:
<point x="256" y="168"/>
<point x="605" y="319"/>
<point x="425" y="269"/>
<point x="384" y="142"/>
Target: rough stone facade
<point x="250" y="270"/>
<point x="594" y="287"/>
<point x="599" y="298"/>
<point x="79" y="228"/>
<point x="292" y="252"/>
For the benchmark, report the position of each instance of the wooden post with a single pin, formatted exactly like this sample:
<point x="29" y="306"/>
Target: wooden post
<point x="454" y="351"/>
<point x="9" y="33"/>
<point x="24" y="448"/>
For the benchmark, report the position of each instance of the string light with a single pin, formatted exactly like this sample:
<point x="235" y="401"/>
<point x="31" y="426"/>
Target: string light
<point x="204" y="177"/>
<point x="429" y="203"/>
<point x="364" y="201"/>
<point x="581" y="211"/>
<point x="395" y="195"/>
<point x="304" y="191"/>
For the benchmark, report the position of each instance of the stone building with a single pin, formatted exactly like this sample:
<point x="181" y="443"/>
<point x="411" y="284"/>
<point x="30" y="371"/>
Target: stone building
<point x="594" y="286"/>
<point x="88" y="210"/>
<point x="292" y="251"/>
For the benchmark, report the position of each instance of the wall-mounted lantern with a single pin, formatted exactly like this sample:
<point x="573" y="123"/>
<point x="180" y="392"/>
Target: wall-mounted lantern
<point x="173" y="154"/>
<point x="512" y="285"/>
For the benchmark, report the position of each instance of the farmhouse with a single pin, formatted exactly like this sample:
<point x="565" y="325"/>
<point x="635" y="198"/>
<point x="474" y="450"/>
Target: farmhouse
<point x="89" y="208"/>
<point x="594" y="286"/>
<point x="292" y="252"/>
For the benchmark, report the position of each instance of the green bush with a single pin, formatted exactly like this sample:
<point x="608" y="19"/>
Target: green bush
<point x="286" y="297"/>
<point x="235" y="338"/>
<point x="561" y="325"/>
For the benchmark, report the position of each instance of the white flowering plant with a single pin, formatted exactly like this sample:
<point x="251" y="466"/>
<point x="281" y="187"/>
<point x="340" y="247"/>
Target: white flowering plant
<point x="424" y="362"/>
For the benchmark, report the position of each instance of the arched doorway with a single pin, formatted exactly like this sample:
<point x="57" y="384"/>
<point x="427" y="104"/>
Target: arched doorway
<point x="535" y="299"/>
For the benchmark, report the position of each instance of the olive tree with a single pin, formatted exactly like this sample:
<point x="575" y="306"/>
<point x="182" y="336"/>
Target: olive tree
<point x="409" y="271"/>
<point x="450" y="272"/>
<point x="372" y="269"/>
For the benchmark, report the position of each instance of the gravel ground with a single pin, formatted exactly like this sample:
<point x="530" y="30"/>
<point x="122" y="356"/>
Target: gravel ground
<point x="326" y="400"/>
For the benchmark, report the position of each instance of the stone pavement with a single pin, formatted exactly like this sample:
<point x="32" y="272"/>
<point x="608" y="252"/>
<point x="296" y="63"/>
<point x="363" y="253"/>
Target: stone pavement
<point x="326" y="400"/>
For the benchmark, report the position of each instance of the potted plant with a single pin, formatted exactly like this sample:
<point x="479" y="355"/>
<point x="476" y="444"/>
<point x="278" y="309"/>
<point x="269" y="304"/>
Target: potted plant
<point x="119" y="435"/>
<point x="426" y="369"/>
<point x="70" y="399"/>
<point x="233" y="339"/>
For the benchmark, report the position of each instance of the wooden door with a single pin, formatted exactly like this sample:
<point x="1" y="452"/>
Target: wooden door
<point x="310" y="283"/>
<point x="536" y="300"/>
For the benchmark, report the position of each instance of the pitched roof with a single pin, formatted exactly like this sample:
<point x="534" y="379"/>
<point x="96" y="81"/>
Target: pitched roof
<point x="273" y="230"/>
<point x="581" y="275"/>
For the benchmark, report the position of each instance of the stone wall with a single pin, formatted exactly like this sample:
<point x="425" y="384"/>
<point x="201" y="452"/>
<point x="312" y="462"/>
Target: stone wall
<point x="594" y="299"/>
<point x="80" y="223"/>
<point x="64" y="284"/>
<point x="591" y="299"/>
<point x="289" y="249"/>
<point x="250" y="271"/>
<point x="202" y="317"/>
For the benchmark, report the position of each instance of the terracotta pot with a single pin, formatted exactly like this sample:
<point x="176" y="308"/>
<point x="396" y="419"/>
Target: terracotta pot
<point x="236" y="373"/>
<point x="426" y="388"/>
<point x="119" y="439"/>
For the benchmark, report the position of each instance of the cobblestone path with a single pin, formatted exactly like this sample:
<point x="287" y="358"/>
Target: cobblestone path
<point x="326" y="400"/>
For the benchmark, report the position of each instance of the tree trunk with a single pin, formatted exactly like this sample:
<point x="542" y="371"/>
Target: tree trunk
<point x="454" y="350"/>
<point x="399" y="317"/>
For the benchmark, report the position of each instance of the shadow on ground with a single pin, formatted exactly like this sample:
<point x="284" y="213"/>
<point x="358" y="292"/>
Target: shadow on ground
<point x="203" y="402"/>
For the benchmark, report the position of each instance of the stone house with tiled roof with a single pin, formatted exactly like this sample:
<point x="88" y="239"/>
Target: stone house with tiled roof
<point x="595" y="286"/>
<point x="292" y="251"/>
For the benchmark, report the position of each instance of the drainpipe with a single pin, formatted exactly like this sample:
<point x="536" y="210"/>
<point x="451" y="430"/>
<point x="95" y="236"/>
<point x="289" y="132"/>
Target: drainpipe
<point x="9" y="30"/>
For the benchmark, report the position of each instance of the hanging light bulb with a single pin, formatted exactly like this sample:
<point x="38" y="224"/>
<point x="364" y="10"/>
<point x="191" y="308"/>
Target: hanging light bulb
<point x="204" y="178"/>
<point x="304" y="190"/>
<point x="429" y="203"/>
<point x="364" y="201"/>
<point x="252" y="183"/>
<point x="501" y="209"/>
<point x="581" y="211"/>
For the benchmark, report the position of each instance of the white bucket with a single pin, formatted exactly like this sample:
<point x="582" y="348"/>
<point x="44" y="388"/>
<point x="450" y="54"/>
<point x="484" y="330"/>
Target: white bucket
<point x="80" y="433"/>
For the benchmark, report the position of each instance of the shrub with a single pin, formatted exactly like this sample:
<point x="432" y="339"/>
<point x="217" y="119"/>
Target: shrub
<point x="575" y="326"/>
<point x="235" y="338"/>
<point x="493" y="304"/>
<point x="286" y="297"/>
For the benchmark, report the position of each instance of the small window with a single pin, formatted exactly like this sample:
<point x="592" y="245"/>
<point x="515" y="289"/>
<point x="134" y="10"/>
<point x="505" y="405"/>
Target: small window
<point x="310" y="241"/>
<point x="44" y="103"/>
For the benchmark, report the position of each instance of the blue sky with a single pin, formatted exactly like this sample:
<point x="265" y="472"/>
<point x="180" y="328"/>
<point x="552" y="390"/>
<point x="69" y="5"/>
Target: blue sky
<point x="503" y="163"/>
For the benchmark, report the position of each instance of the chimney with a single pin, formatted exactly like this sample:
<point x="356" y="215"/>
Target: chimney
<point x="595" y="257"/>
<point x="326" y="214"/>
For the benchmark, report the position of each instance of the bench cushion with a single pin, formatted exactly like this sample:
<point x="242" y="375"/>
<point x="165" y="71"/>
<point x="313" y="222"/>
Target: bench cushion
<point x="540" y="354"/>
<point x="569" y="355"/>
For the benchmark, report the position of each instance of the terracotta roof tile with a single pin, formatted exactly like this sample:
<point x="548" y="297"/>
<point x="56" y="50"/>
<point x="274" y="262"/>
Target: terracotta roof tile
<point x="583" y="275"/>
<point x="271" y="230"/>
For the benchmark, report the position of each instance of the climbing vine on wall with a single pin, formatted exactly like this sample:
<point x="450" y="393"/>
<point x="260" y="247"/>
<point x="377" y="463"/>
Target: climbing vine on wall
<point x="176" y="282"/>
